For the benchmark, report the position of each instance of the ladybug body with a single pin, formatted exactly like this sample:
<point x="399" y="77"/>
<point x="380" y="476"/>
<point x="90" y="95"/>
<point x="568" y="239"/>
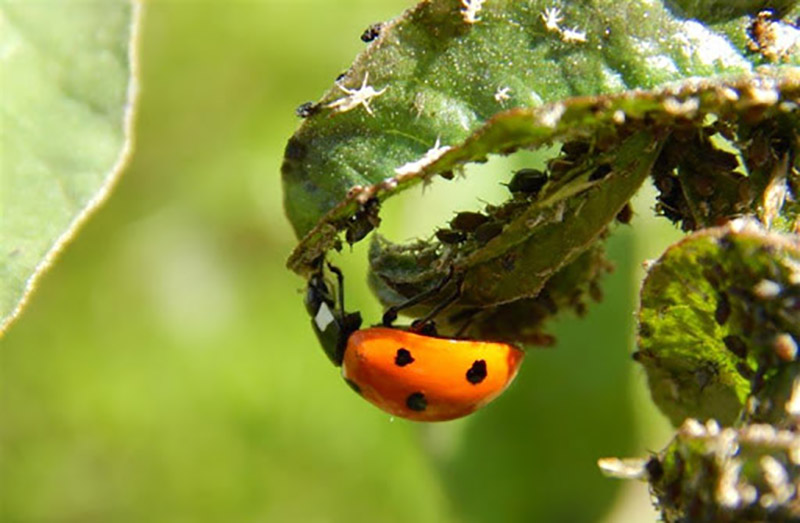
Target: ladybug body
<point x="405" y="373"/>
<point x="425" y="378"/>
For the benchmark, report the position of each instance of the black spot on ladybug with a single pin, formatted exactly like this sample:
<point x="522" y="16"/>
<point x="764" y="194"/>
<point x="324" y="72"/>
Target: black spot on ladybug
<point x="353" y="385"/>
<point x="417" y="402"/>
<point x="735" y="345"/>
<point x="371" y="33"/>
<point x="403" y="358"/>
<point x="295" y="149"/>
<point x="600" y="173"/>
<point x="477" y="373"/>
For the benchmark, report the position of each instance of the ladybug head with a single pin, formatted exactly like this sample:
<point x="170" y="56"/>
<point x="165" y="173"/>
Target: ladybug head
<point x="331" y="324"/>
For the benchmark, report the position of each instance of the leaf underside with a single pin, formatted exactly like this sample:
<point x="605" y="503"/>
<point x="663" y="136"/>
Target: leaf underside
<point x="65" y="127"/>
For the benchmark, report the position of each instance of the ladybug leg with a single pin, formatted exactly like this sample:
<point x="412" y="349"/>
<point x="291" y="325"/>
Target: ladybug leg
<point x="391" y="313"/>
<point x="420" y="324"/>
<point x="350" y="322"/>
<point x="340" y="283"/>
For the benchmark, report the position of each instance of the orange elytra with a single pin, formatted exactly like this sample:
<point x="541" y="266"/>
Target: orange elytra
<point x="406" y="373"/>
<point x="425" y="378"/>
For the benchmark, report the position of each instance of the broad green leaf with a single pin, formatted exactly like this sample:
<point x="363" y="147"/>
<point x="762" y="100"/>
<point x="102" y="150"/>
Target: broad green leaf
<point x="720" y="323"/>
<point x="66" y="105"/>
<point x="437" y="74"/>
<point x="449" y="83"/>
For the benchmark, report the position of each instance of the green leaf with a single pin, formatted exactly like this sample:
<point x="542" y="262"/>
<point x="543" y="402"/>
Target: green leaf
<point x="720" y="322"/>
<point x="710" y="474"/>
<point x="431" y="78"/>
<point x="69" y="87"/>
<point x="441" y="78"/>
<point x="539" y="238"/>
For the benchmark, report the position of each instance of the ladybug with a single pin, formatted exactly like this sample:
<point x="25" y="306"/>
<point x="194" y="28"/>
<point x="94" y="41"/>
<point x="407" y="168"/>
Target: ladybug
<point x="404" y="372"/>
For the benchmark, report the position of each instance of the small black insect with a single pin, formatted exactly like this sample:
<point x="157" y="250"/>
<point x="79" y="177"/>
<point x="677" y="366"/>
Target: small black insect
<point x="372" y="32"/>
<point x="307" y="109"/>
<point x="527" y="181"/>
<point x="450" y="236"/>
<point x="363" y="221"/>
<point x="625" y="215"/>
<point x="654" y="468"/>
<point x="487" y="231"/>
<point x="468" y="221"/>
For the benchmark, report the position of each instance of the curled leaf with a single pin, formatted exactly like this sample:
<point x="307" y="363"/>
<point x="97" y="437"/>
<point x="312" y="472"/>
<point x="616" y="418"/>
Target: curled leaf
<point x="719" y="317"/>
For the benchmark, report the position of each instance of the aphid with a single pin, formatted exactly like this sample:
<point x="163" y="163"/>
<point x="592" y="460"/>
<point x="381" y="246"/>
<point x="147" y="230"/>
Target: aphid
<point x="355" y="97"/>
<point x="527" y="181"/>
<point x="551" y="17"/>
<point x="625" y="215"/>
<point x="501" y="95"/>
<point x="487" y="231"/>
<point x="785" y="346"/>
<point x="363" y="221"/>
<point x="372" y="32"/>
<point x="307" y="109"/>
<point x="450" y="236"/>
<point x="468" y="221"/>
<point x="774" y="39"/>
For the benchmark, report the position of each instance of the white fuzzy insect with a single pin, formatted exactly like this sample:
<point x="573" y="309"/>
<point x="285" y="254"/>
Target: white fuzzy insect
<point x="551" y="17"/>
<point x="573" y="36"/>
<point x="501" y="95"/>
<point x="355" y="97"/>
<point x="430" y="156"/>
<point x="471" y="9"/>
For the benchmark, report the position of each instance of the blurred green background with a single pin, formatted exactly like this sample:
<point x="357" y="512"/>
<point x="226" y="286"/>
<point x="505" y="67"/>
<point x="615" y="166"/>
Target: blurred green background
<point x="165" y="369"/>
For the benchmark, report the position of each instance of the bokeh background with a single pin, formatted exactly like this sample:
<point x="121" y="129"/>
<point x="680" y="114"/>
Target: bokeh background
<point x="165" y="369"/>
